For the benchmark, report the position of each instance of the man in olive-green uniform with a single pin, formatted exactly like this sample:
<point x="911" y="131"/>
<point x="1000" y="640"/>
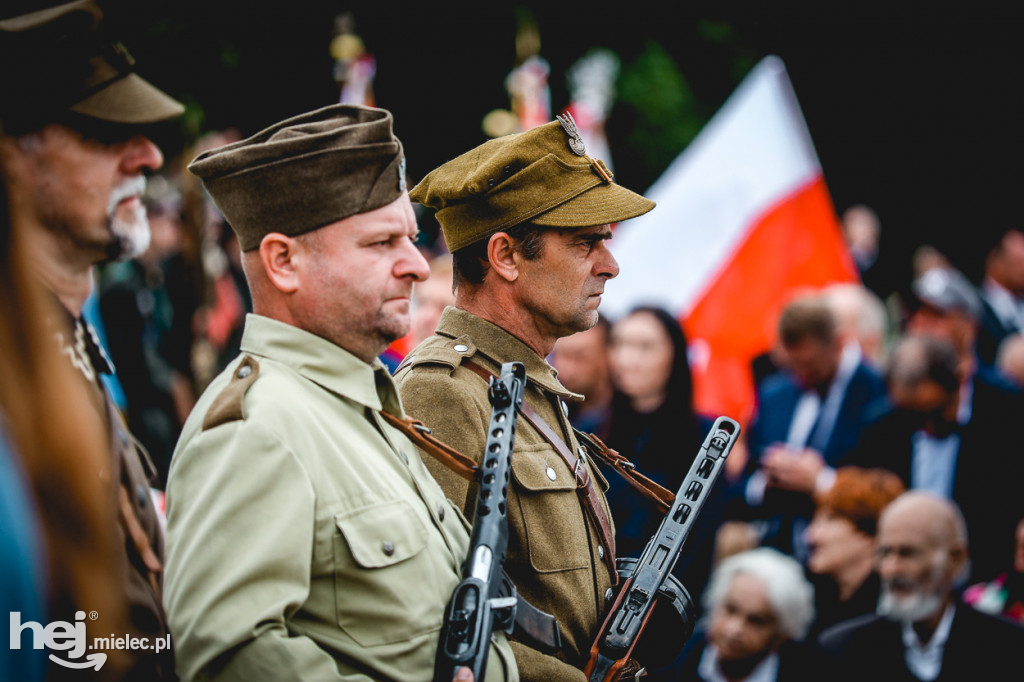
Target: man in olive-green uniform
<point x="75" y="150"/>
<point x="306" y="540"/>
<point x="526" y="217"/>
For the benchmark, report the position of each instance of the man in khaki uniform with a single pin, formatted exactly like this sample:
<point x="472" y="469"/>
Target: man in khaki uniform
<point x="74" y="151"/>
<point x="306" y="540"/>
<point x="526" y="217"/>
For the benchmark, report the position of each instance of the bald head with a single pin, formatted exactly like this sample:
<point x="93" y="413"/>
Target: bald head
<point x="935" y="518"/>
<point x="922" y="551"/>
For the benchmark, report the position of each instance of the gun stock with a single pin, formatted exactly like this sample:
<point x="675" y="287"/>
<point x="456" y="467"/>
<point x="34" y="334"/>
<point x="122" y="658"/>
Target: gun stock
<point x="651" y="576"/>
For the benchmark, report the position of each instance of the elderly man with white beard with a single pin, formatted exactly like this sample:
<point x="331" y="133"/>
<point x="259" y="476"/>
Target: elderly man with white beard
<point x="921" y="630"/>
<point x="74" y="149"/>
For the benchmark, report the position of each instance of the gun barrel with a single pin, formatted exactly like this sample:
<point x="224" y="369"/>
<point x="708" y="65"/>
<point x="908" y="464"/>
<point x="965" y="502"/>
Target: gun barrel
<point x="470" y="617"/>
<point x="659" y="557"/>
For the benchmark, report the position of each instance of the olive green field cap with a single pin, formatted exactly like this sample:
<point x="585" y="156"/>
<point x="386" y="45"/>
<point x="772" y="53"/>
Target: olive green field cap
<point x="542" y="176"/>
<point x="61" y="59"/>
<point x="306" y="172"/>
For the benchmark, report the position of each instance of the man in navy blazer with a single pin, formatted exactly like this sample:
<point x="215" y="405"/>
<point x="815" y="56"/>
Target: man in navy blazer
<point x="921" y="631"/>
<point x="809" y="417"/>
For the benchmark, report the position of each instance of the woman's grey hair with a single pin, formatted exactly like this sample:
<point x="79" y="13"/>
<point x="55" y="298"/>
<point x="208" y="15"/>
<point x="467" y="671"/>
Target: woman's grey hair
<point x="789" y="592"/>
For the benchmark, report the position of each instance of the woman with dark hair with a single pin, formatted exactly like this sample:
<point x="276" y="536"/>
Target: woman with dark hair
<point x="654" y="424"/>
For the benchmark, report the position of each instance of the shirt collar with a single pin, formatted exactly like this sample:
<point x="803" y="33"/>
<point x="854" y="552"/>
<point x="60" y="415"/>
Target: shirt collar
<point x="322" y="362"/>
<point x="499" y="346"/>
<point x="938" y="639"/>
<point x="765" y="671"/>
<point x="1007" y="307"/>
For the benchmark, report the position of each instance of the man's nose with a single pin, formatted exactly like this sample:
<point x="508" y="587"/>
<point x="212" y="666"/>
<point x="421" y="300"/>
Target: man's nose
<point x="411" y="262"/>
<point x="606" y="265"/>
<point x="141" y="153"/>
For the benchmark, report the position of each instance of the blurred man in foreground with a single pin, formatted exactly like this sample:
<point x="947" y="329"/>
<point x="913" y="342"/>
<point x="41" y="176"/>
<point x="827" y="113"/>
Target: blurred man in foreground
<point x="75" y="154"/>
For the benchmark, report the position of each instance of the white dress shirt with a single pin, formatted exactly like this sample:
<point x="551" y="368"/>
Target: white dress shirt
<point x="925" y="660"/>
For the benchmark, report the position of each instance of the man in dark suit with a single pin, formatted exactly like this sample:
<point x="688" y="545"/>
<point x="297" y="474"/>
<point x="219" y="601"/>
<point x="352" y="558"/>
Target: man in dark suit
<point x="921" y="631"/>
<point x="808" y="418"/>
<point x="951" y="434"/>
<point x="1002" y="294"/>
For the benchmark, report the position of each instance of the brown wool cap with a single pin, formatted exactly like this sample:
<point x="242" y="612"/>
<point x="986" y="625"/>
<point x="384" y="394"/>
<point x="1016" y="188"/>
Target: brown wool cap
<point x="305" y="173"/>
<point x="60" y="59"/>
<point x="542" y="176"/>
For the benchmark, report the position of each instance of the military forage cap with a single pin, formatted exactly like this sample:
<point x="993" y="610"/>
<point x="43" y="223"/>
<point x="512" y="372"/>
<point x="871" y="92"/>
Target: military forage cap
<point x="305" y="172"/>
<point x="60" y="60"/>
<point x="542" y="176"/>
<point x="947" y="290"/>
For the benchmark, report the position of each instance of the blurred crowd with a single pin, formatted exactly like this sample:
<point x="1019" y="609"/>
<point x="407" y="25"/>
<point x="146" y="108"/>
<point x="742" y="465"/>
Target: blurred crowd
<point x="862" y="400"/>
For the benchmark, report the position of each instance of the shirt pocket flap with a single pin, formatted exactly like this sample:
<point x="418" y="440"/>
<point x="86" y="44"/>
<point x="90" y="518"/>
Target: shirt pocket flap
<point x="382" y="534"/>
<point x="544" y="473"/>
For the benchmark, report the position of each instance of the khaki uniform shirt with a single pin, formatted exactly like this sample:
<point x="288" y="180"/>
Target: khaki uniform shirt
<point x="305" y="539"/>
<point x="554" y="554"/>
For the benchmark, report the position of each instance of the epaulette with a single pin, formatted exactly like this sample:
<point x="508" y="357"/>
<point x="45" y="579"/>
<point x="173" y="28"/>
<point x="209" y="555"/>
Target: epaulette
<point x="449" y="354"/>
<point x="227" y="406"/>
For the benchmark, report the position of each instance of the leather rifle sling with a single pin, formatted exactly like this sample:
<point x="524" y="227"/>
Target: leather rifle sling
<point x="420" y="435"/>
<point x="584" y="484"/>
<point x="662" y="498"/>
<point x="540" y="627"/>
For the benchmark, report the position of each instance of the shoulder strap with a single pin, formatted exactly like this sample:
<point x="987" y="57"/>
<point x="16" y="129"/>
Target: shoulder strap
<point x="584" y="485"/>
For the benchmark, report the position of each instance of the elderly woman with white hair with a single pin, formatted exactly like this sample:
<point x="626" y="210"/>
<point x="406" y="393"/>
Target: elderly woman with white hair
<point x="758" y="607"/>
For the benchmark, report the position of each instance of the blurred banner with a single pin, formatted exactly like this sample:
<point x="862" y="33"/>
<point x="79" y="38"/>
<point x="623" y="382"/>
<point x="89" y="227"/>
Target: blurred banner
<point x="743" y="221"/>
<point x="591" y="82"/>
<point x="354" y="67"/>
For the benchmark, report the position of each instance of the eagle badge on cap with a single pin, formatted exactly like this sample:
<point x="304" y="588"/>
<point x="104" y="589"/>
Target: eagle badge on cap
<point x="575" y="140"/>
<point x="401" y="175"/>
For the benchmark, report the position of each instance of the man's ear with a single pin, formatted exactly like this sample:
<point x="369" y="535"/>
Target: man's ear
<point x="278" y="254"/>
<point x="503" y="256"/>
<point x="959" y="562"/>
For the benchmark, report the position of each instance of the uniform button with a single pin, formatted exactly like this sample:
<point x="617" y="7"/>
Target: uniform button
<point x="244" y="371"/>
<point x="460" y="348"/>
<point x="600" y="551"/>
<point x="141" y="494"/>
<point x="440" y="513"/>
<point x="389" y="548"/>
<point x="551" y="473"/>
<point x="565" y="408"/>
<point x="608" y="594"/>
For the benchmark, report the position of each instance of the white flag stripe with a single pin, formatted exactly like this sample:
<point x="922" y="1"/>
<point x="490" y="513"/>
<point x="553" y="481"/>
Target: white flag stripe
<point x="752" y="154"/>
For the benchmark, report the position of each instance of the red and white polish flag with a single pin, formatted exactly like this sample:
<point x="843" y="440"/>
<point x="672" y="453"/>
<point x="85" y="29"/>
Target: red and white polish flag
<point x="743" y="221"/>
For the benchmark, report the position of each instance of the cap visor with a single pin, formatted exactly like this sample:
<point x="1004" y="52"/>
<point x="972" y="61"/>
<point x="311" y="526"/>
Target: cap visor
<point x="601" y="205"/>
<point x="131" y="99"/>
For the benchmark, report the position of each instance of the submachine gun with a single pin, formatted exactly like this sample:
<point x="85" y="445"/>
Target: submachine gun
<point x="485" y="600"/>
<point x="649" y="578"/>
